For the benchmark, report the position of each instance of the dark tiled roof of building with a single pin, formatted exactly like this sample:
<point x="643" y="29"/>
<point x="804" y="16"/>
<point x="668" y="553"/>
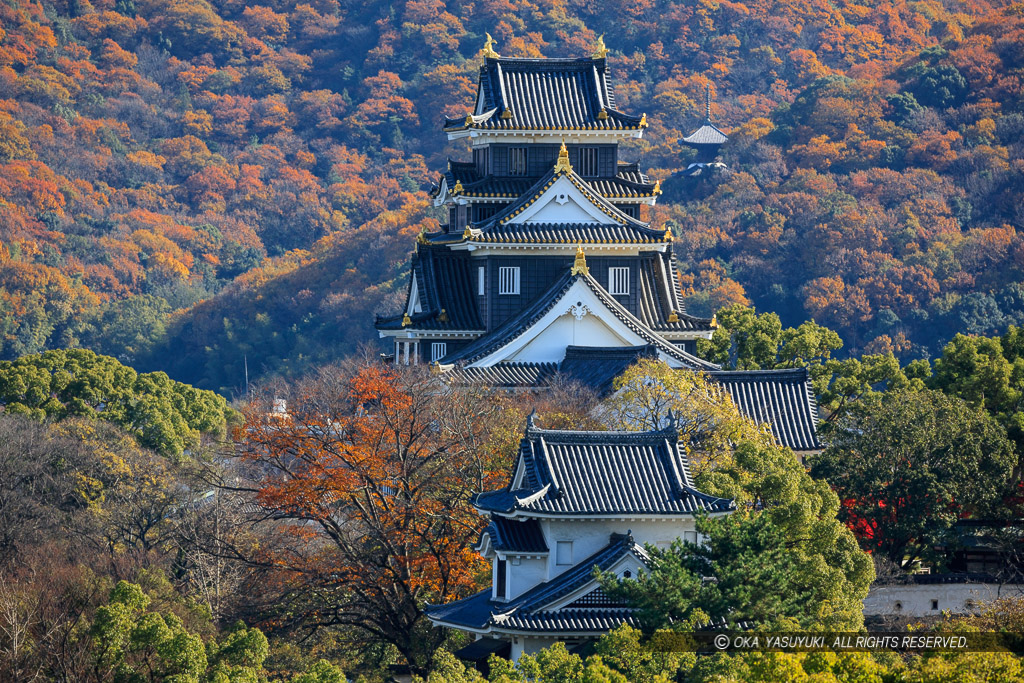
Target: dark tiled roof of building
<point x="658" y="290"/>
<point x="445" y="289"/>
<point x="527" y="613"/>
<point x="708" y="134"/>
<point x="601" y="473"/>
<point x="512" y="188"/>
<point x="520" y="323"/>
<point x="515" y="536"/>
<point x="782" y="399"/>
<point x="597" y="367"/>
<point x="582" y="621"/>
<point x="567" y="233"/>
<point x="546" y="94"/>
<point x="498" y="227"/>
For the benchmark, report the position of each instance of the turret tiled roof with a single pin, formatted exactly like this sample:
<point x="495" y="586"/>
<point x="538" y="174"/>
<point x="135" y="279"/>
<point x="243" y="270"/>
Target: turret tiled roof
<point x="526" y="613"/>
<point x="782" y="399"/>
<point x="601" y="473"/>
<point x="515" y="536"/>
<point x="545" y="94"/>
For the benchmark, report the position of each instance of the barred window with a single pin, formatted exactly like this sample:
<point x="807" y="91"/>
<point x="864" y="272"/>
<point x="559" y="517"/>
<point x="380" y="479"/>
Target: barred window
<point x="517" y="161"/>
<point x="618" y="281"/>
<point x="588" y="161"/>
<point x="481" y="280"/>
<point x="438" y="350"/>
<point x="508" y="280"/>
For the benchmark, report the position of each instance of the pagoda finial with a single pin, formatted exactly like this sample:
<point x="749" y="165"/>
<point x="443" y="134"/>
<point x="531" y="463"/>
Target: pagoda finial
<point x="600" y="51"/>
<point x="579" y="266"/>
<point x="563" y="165"/>
<point x="707" y="101"/>
<point x="489" y="47"/>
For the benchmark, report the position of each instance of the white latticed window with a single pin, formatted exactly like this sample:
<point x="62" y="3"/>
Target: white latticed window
<point x="438" y="350"/>
<point x="618" y="281"/>
<point x="508" y="280"/>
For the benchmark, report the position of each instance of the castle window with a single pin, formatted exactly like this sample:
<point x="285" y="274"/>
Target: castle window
<point x="563" y="553"/>
<point x="618" y="281"/>
<point x="481" y="281"/>
<point x="500" y="579"/>
<point x="588" y="162"/>
<point x="438" y="350"/>
<point x="508" y="280"/>
<point x="517" y="161"/>
<point x="935" y="604"/>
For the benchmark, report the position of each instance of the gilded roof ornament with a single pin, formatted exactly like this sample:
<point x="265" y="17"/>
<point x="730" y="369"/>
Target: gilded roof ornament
<point x="458" y="189"/>
<point x="563" y="165"/>
<point x="579" y="265"/>
<point x="467" y="234"/>
<point x="643" y="120"/>
<point x="668" y="235"/>
<point x="507" y="114"/>
<point x="422" y="237"/>
<point x="469" y="120"/>
<point x="435" y="368"/>
<point x="489" y="47"/>
<point x="714" y="321"/>
<point x="600" y="51"/>
<point x="602" y="115"/>
<point x="406" y="320"/>
<point x="657" y="187"/>
<point x="442" y="317"/>
<point x="673" y="317"/>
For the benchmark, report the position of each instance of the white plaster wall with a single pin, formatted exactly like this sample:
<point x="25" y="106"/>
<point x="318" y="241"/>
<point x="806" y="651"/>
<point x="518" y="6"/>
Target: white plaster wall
<point x="527" y="574"/>
<point x="588" y="537"/>
<point x="915" y="600"/>
<point x="549" y="345"/>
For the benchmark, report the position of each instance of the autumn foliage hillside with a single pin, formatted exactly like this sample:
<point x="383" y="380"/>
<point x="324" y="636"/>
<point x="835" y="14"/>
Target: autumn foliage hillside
<point x="196" y="186"/>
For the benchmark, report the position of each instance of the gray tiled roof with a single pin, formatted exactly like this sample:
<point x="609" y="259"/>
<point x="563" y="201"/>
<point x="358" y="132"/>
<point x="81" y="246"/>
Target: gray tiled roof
<point x="782" y="399"/>
<point x="546" y="94"/>
<point x="630" y="228"/>
<point x="513" y="535"/>
<point x="708" y="134"/>
<point x="602" y="473"/>
<point x="444" y="282"/>
<point x="659" y="296"/>
<point x="520" y="323"/>
<point x="527" y="613"/>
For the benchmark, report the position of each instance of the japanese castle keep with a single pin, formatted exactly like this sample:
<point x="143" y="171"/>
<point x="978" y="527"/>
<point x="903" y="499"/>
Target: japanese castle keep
<point x="544" y="266"/>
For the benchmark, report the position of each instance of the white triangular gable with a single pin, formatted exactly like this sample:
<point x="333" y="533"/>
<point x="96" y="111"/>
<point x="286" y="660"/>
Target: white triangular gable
<point x="578" y="318"/>
<point x="627" y="563"/>
<point x="563" y="202"/>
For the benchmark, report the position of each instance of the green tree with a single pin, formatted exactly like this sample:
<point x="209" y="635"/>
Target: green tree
<point x="907" y="465"/>
<point x="786" y="535"/>
<point x="162" y="414"/>
<point x="708" y="421"/>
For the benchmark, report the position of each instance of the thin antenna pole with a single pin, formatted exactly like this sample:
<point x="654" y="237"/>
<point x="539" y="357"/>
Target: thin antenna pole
<point x="245" y="359"/>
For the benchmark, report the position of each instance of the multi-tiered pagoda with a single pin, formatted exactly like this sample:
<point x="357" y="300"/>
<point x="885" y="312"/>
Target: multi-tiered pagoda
<point x="545" y="266"/>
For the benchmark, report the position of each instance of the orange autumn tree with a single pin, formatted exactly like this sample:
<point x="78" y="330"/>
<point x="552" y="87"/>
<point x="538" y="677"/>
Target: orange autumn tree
<point x="363" y="493"/>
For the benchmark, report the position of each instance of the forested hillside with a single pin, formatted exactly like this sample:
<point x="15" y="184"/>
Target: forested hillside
<point x="196" y="186"/>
